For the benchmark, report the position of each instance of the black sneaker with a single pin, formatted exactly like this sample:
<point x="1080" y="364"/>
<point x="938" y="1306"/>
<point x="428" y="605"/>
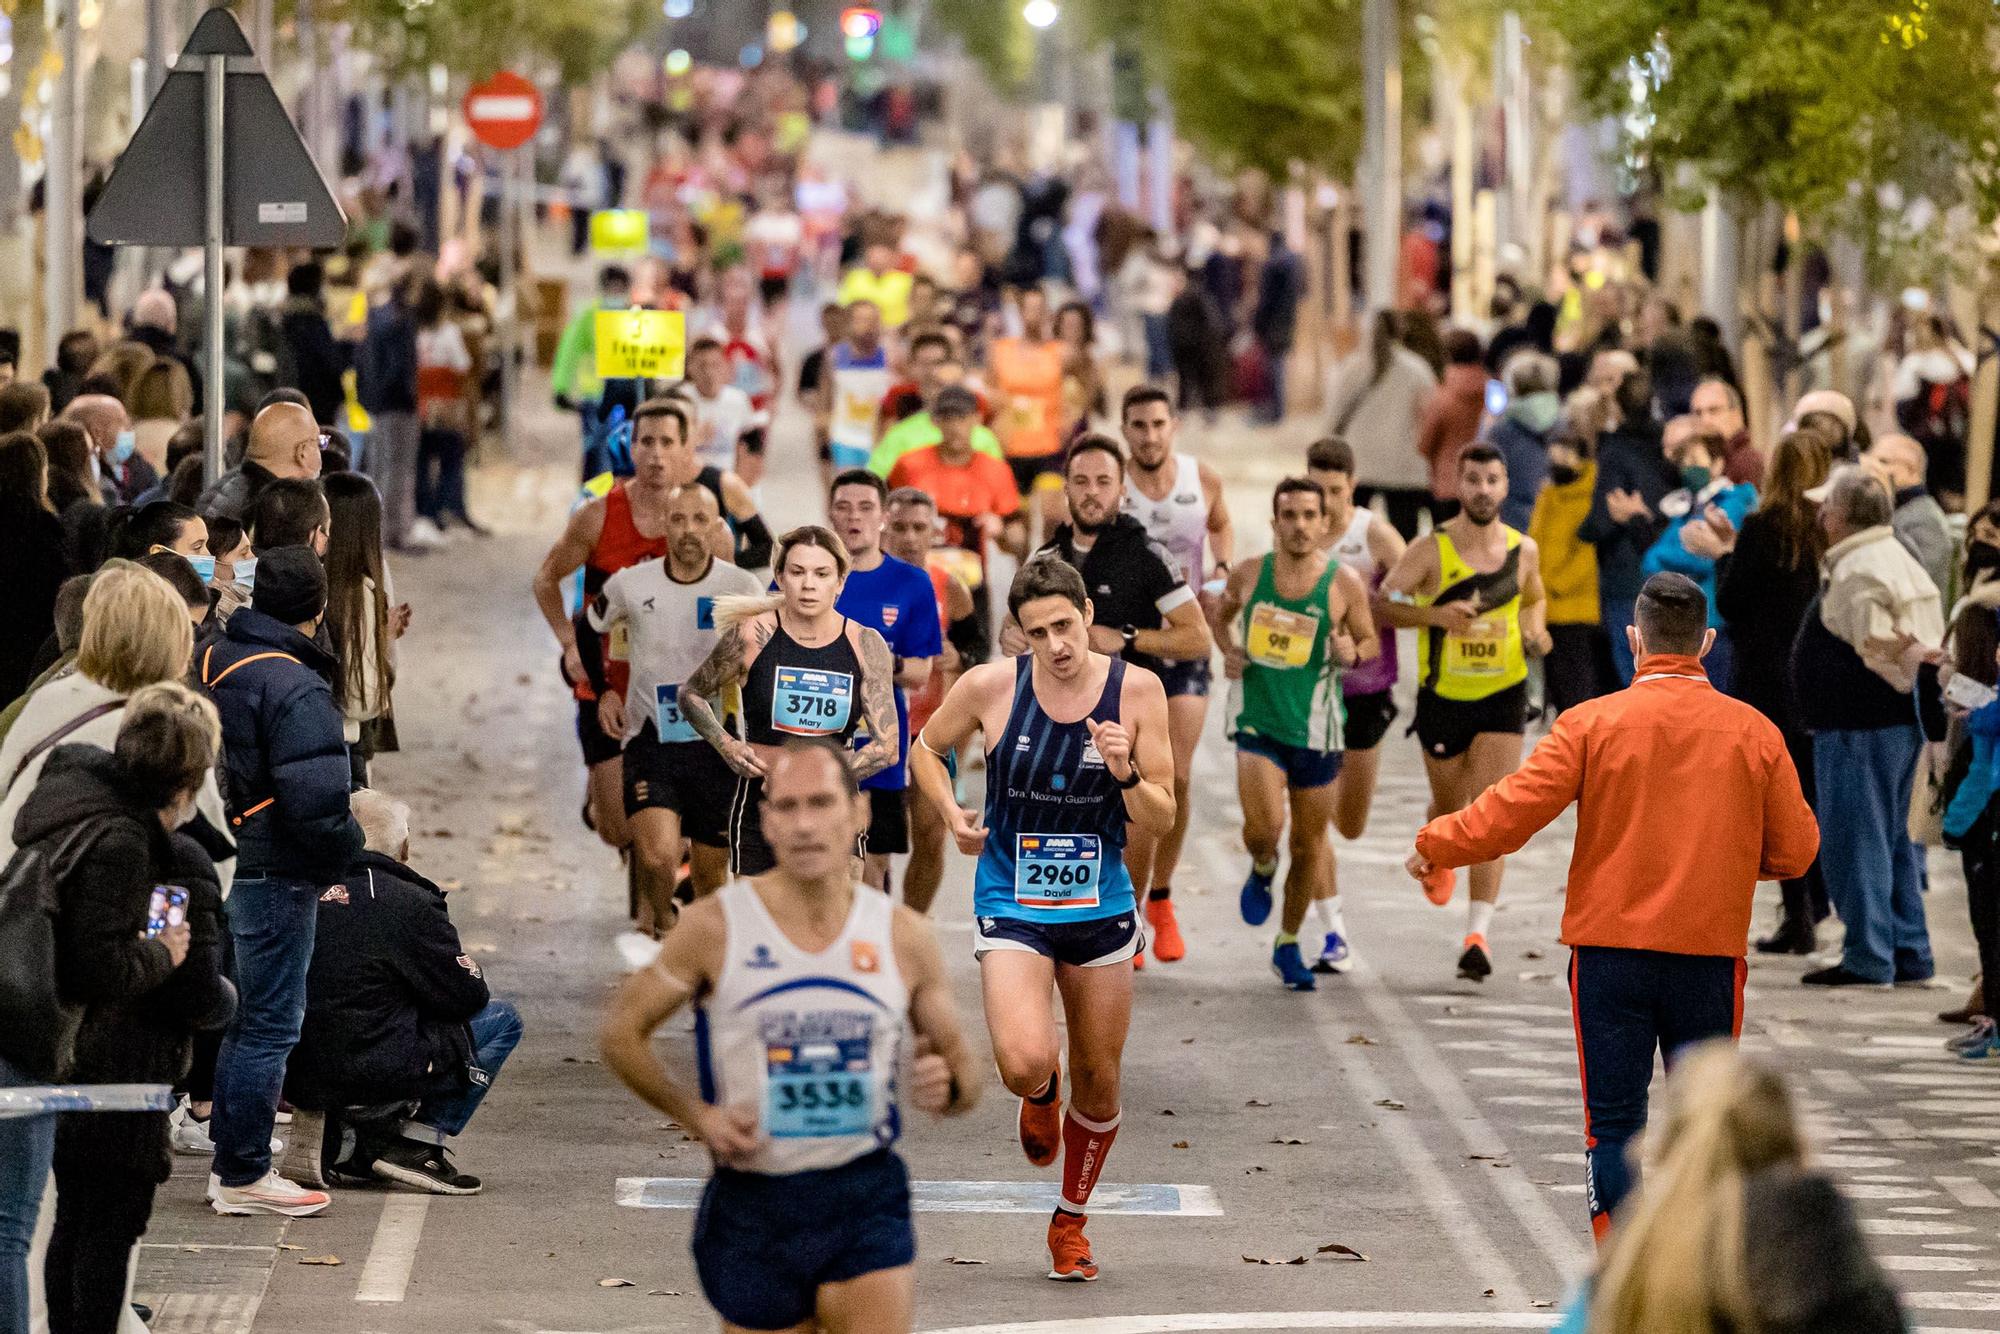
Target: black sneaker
<point x="1838" y="976"/>
<point x="426" y="1167"/>
<point x="1793" y="936"/>
<point x="1476" y="964"/>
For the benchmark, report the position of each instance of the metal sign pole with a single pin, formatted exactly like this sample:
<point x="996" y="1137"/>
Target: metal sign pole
<point x="510" y="297"/>
<point x="215" y="79"/>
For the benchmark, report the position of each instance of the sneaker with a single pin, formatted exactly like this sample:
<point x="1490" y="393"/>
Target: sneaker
<point x="1476" y="964"/>
<point x="1255" y="900"/>
<point x="188" y="1134"/>
<point x="426" y="1167"/>
<point x="1838" y="976"/>
<point x="1168" y="947"/>
<point x="1291" y="968"/>
<point x="270" y="1195"/>
<point x="424" y="534"/>
<point x="301" y="1164"/>
<point x="1069" y="1250"/>
<point x="1985" y="1042"/>
<point x="1334" y="956"/>
<point x="1979" y="1035"/>
<point x="1139" y="961"/>
<point x="1040" y="1124"/>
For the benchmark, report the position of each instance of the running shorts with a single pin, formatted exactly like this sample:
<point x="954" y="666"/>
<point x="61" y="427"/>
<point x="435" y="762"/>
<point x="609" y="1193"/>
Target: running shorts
<point x="1097" y="942"/>
<point x="749" y="853"/>
<point x="1445" y="727"/>
<point x="889" y="820"/>
<point x="1303" y="769"/>
<point x="764" y="1245"/>
<point x="1368" y="719"/>
<point x="686" y="777"/>
<point x="1026" y="470"/>
<point x="1185" y="678"/>
<point x="597" y="746"/>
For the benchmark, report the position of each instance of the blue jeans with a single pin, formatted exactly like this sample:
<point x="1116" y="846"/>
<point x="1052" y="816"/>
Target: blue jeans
<point x="1616" y="615"/>
<point x="1872" y="870"/>
<point x="1159" y="352"/>
<point x="496" y="1031"/>
<point x="27" y="1149"/>
<point x="1720" y="664"/>
<point x="271" y="923"/>
<point x="1627" y="1005"/>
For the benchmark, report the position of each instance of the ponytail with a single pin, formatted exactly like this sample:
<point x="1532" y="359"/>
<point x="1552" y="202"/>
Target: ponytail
<point x="734" y="609"/>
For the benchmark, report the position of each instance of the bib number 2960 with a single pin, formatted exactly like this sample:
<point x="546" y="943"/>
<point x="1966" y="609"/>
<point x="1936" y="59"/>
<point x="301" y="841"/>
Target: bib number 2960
<point x="1057" y="870"/>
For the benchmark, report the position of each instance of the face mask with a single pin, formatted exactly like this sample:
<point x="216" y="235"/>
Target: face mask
<point x="246" y="575"/>
<point x="1537" y="412"/>
<point x="1562" y="474"/>
<point x="203" y="566"/>
<point x="123" y="448"/>
<point x="1981" y="557"/>
<point x="1696" y="479"/>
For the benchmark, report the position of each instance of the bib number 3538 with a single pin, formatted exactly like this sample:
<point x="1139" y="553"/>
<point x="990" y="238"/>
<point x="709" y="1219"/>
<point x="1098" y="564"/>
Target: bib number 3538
<point x="819" y="1089"/>
<point x="1057" y="870"/>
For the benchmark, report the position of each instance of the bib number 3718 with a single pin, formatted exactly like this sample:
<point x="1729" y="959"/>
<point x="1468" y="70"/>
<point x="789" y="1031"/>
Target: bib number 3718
<point x="808" y="702"/>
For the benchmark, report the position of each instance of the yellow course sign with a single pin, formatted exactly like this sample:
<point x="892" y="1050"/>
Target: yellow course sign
<point x="641" y="344"/>
<point x="619" y="231"/>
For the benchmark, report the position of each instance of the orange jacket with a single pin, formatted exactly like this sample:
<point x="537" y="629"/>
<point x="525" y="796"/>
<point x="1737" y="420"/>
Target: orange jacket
<point x="1685" y="799"/>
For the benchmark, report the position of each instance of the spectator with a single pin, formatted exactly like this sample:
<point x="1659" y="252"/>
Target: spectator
<point x="182" y="481"/>
<point x="1851" y="684"/>
<point x="180" y="577"/>
<point x="108" y="1167"/>
<point x="284" y="442"/>
<point x="1194" y="345"/>
<point x="1578" y="667"/>
<point x="1281" y="286"/>
<point x="31" y="552"/>
<point x="361" y="618"/>
<point x="1378" y="406"/>
<point x="1932" y="390"/>
<point x="76" y="350"/>
<point x="1521" y="432"/>
<point x="288" y="784"/>
<point x="161" y="526"/>
<point x="1717" y="409"/>
<point x="235" y="565"/>
<point x="1972" y="641"/>
<point x="385" y="369"/>
<point x="116" y="370"/>
<point x="161" y="403"/>
<point x="396" y="1013"/>
<point x="1082" y="379"/>
<point x="1919" y="520"/>
<point x="1832" y="414"/>
<point x="74" y="494"/>
<point x="318" y="359"/>
<point x="1451" y="421"/>
<point x="291" y="513"/>
<point x="24" y="406"/>
<point x="1706" y="506"/>
<point x="1633" y="477"/>
<point x="155" y="325"/>
<point x="122" y="474"/>
<point x="1732" y="1229"/>
<point x="443" y="370"/>
<point x="57" y="655"/>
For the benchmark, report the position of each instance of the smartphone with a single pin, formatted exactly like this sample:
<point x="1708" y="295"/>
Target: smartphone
<point x="168" y="908"/>
<point x="1968" y="693"/>
<point x="1496" y="397"/>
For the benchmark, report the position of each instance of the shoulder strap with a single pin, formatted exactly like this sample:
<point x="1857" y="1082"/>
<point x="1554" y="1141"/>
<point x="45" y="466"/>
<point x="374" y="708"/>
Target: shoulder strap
<point x="223" y="675"/>
<point x="53" y="739"/>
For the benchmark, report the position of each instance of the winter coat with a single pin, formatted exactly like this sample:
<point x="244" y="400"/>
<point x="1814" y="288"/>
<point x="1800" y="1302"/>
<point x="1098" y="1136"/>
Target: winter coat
<point x="32" y="553"/>
<point x="389" y="994"/>
<point x="385" y="366"/>
<point x="1382" y="416"/>
<point x="317" y="358"/>
<point x="1569" y="564"/>
<point x="1451" y="422"/>
<point x="286" y="764"/>
<point x="1627" y="460"/>
<point x="1527" y="453"/>
<point x="1685" y="507"/>
<point x="1874" y="589"/>
<point x="232" y="493"/>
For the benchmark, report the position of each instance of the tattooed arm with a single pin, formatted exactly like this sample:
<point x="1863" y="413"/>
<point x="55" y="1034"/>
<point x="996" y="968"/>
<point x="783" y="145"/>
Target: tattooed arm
<point x="726" y="665"/>
<point x="878" y="705"/>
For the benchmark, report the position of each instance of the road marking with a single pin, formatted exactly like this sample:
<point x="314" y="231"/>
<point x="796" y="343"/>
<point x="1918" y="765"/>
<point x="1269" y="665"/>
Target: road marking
<point x="1970" y="1192"/>
<point x="1181" y="1324"/>
<point x="394" y="1251"/>
<point x="966" y="1197"/>
<point x="1785" y="1035"/>
<point x="1890" y="1127"/>
<point x="1841" y="1083"/>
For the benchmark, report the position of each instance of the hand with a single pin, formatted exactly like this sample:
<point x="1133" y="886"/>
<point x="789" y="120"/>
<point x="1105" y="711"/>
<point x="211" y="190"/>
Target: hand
<point x="949" y="659"/>
<point x="1344" y="651"/>
<point x="399" y="619"/>
<point x="572" y="665"/>
<point x="1456" y="617"/>
<point x="1626" y="506"/>
<point x="1718" y="519"/>
<point x="1538" y="643"/>
<point x="175" y="938"/>
<point x="611" y="713"/>
<point x="1418" y="865"/>
<point x="1104" y="639"/>
<point x="967" y="832"/>
<point x="929" y="1088"/>
<point x="1012" y="642"/>
<point x="1114" y="746"/>
<point x="743" y="758"/>
<point x="1234" y="659"/>
<point x="1698" y="539"/>
<point x="730" y="1133"/>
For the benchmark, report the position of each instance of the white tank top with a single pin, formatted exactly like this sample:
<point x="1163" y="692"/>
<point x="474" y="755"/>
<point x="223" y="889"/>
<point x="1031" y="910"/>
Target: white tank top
<point x="1180" y="522"/>
<point x="811" y="1041"/>
<point x="665" y="630"/>
<point x="1351" y="547"/>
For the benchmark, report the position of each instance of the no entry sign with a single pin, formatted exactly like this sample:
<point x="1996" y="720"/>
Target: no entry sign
<point x="504" y="111"/>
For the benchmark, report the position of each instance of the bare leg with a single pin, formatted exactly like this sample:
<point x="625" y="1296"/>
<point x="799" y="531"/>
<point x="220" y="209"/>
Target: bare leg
<point x="877" y="1303"/>
<point x="656" y="848"/>
<point x="1186" y="715"/>
<point x="1354" y="791"/>
<point x="708" y="867"/>
<point x="607" y="801"/>
<point x="1260" y="786"/>
<point x="1492" y="757"/>
<point x="1021" y="1016"/>
<point x="925" y="870"/>
<point x="1097" y="1002"/>
<point x="1311" y="873"/>
<point x="875" y="870"/>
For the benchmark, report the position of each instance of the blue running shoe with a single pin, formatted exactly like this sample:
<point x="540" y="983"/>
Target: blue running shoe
<point x="1334" y="956"/>
<point x="1291" y="968"/>
<point x="1255" y="901"/>
<point x="1983" y="1043"/>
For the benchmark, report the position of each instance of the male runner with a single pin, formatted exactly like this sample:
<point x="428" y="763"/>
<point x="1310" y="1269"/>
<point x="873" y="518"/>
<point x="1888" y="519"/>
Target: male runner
<point x="1290" y="622"/>
<point x="675" y="784"/>
<point x="1026" y="373"/>
<point x="1475" y="589"/>
<point x="804" y="985"/>
<point x="1179" y="500"/>
<point x="856" y="377"/>
<point x="895" y="599"/>
<point x="910" y="535"/>
<point x="1071" y="735"/>
<point x="975" y="493"/>
<point x="1369" y="545"/>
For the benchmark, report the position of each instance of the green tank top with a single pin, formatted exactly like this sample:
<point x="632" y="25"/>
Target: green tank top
<point x="1290" y="689"/>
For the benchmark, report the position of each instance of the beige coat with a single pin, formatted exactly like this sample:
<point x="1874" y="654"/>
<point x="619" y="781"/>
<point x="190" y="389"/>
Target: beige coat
<point x="1873" y="592"/>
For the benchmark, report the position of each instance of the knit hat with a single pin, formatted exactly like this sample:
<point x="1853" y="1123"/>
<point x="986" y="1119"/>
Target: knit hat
<point x="291" y="585"/>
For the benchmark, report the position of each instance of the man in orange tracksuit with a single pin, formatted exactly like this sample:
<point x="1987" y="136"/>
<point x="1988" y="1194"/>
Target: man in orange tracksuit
<point x="1685" y="800"/>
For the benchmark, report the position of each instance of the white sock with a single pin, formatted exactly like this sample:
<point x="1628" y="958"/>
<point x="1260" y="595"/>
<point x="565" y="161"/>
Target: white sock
<point x="1480" y="919"/>
<point x="1327" y="913"/>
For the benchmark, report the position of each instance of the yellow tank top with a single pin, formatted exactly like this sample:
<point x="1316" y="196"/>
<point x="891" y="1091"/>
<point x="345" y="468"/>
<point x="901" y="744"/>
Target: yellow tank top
<point x="1488" y="657"/>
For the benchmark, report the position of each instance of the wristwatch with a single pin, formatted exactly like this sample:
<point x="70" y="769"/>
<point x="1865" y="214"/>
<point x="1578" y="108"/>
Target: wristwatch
<point x="1127" y="784"/>
<point x="1131" y="634"/>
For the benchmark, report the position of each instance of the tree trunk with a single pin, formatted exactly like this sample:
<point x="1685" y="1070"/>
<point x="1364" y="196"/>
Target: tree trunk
<point x="1985" y="405"/>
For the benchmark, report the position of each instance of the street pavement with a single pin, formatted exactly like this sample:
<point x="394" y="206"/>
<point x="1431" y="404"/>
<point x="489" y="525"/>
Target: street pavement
<point x="1429" y="1126"/>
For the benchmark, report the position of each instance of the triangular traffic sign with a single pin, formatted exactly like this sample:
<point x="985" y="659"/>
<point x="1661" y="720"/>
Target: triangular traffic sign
<point x="273" y="192"/>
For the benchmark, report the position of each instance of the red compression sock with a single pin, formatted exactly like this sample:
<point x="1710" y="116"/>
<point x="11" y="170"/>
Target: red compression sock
<point x="1085" y="1146"/>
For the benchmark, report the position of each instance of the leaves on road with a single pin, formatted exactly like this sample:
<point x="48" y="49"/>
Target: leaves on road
<point x="1256" y="1102"/>
<point x="666" y="1292"/>
<point x="962" y="1260"/>
<point x="1180" y="1144"/>
<point x="1390" y="1103"/>
<point x="1360" y="1040"/>
<point x="1272" y="1260"/>
<point x="1345" y="1252"/>
<point x="328" y="1260"/>
<point x="616" y="1283"/>
<point x="1290" y="1139"/>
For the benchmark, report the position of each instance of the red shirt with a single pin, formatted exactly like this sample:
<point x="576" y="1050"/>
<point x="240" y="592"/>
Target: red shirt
<point x="963" y="491"/>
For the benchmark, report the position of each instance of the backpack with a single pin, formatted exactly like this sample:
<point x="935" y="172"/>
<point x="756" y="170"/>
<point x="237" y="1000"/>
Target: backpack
<point x="37" y="1026"/>
<point x="1940" y="414"/>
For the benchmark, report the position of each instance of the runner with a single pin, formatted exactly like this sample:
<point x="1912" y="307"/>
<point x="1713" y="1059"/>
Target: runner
<point x="1026" y="374"/>
<point x="804" y="986"/>
<point x="676" y="786"/>
<point x="910" y="536"/>
<point x="1071" y="734"/>
<point x="1475" y="589"/>
<point x="1369" y="545"/>
<point x="896" y="600"/>
<point x="975" y="493"/>
<point x="803" y="669"/>
<point x="723" y="411"/>
<point x="856" y="377"/>
<point x="1179" y="500"/>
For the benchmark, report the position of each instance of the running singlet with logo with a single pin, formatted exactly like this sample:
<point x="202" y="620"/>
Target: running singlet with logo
<point x="1055" y="817"/>
<point x="793" y="691"/>
<point x="809" y="1040"/>
<point x="1180" y="521"/>
<point x="619" y="545"/>
<point x="1290" y="688"/>
<point x="1488" y="657"/>
<point x="1351" y="549"/>
<point x="670" y="627"/>
<point x="858" y="386"/>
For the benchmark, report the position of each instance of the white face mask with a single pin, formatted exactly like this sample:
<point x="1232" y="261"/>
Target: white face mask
<point x="186" y="814"/>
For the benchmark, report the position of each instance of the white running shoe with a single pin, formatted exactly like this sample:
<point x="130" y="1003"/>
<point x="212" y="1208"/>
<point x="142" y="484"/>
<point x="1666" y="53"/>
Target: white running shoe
<point x="271" y="1195"/>
<point x="188" y="1135"/>
<point x="424" y="533"/>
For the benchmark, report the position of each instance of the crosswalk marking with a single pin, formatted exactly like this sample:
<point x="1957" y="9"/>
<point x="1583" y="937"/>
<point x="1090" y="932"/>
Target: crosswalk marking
<point x="1970" y="1192"/>
<point x="966" y="1197"/>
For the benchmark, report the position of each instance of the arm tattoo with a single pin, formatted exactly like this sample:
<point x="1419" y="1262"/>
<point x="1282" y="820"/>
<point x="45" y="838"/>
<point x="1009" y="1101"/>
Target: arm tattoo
<point x="722" y="667"/>
<point x="878" y="703"/>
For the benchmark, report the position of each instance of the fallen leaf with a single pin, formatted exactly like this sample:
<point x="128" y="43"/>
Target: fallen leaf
<point x="962" y="1260"/>
<point x="1166" y="1111"/>
<point x="1390" y="1103"/>
<point x="192" y="1250"/>
<point x="1360" y="1040"/>
<point x="1248" y="1170"/>
<point x="1348" y="1252"/>
<point x="1289" y="1139"/>
<point x="1531" y="954"/>
<point x="1487" y="1293"/>
<point x="328" y="1260"/>
<point x="1256" y="1102"/>
<point x="283" y="1246"/>
<point x="454" y="884"/>
<point x="1180" y="1144"/>
<point x="1269" y="1260"/>
<point x="615" y="1283"/>
<point x="666" y="1292"/>
<point x="1186" y="1041"/>
<point x="1541" y="1304"/>
<point x="1483" y="1157"/>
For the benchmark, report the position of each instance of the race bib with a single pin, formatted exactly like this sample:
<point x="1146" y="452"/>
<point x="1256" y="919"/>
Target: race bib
<point x="1281" y="639"/>
<point x="819" y="1089"/>
<point x="667" y="719"/>
<point x="809" y="702"/>
<point x="1057" y="870"/>
<point x="1482" y="649"/>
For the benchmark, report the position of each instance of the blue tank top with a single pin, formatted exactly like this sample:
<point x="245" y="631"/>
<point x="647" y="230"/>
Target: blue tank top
<point x="1055" y="817"/>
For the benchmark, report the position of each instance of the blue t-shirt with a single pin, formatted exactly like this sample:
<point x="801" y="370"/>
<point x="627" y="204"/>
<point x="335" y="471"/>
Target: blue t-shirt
<point x="896" y="599"/>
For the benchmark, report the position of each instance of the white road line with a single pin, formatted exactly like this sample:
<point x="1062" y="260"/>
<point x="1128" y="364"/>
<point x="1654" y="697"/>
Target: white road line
<point x="393" y="1253"/>
<point x="1889" y="1127"/>
<point x="1181" y="1324"/>
<point x="1840" y="1083"/>
<point x="1970" y="1192"/>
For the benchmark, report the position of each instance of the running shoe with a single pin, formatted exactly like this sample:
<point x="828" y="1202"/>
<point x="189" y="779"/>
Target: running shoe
<point x="1979" y="1035"/>
<point x="190" y="1134"/>
<point x="1334" y="956"/>
<point x="1439" y="885"/>
<point x="426" y="1167"/>
<point x="1041" y="1124"/>
<point x="1291" y="968"/>
<point x="1139" y="960"/>
<point x="1069" y="1250"/>
<point x="272" y="1194"/>
<point x="1168" y="947"/>
<point x="1985" y="1042"/>
<point x="1476" y="964"/>
<point x="1255" y="901"/>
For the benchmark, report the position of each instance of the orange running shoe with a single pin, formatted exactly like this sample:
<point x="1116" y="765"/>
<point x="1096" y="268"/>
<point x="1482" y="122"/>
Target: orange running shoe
<point x="1139" y="962"/>
<point x="1168" y="947"/>
<point x="1041" y="1124"/>
<point x="1476" y="964"/>
<point x="1439" y="884"/>
<point x="1069" y="1250"/>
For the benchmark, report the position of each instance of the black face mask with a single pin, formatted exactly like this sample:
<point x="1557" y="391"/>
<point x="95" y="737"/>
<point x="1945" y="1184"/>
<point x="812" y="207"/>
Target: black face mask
<point x="1981" y="557"/>
<point x="1562" y="474"/>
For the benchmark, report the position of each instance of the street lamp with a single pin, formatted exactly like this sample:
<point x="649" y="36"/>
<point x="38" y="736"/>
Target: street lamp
<point x="1041" y="13"/>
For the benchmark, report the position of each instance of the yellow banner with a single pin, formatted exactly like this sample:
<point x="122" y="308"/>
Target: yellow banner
<point x="619" y="231"/>
<point x="641" y="344"/>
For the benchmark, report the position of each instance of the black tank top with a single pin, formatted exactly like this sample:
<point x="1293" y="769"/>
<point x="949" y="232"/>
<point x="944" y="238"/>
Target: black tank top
<point x="797" y="691"/>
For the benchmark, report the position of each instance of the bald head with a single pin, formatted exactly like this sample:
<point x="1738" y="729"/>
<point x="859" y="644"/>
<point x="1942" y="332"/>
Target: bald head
<point x="285" y="441"/>
<point x="155" y="310"/>
<point x="101" y="416"/>
<point x="1897" y="460"/>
